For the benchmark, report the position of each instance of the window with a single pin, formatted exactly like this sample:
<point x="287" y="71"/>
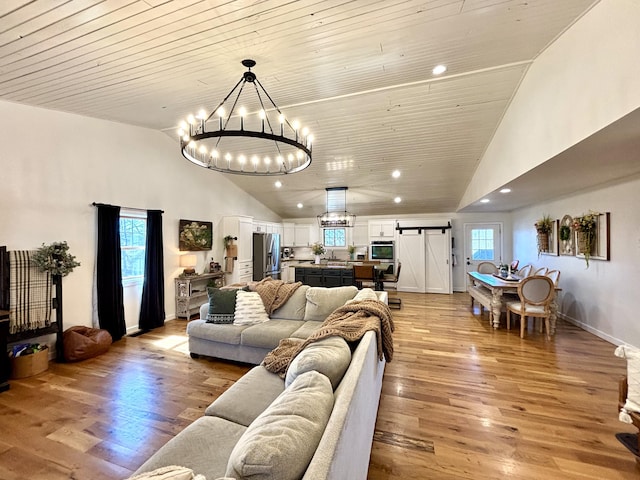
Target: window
<point x="482" y="245"/>
<point x="335" y="237"/>
<point x="133" y="240"/>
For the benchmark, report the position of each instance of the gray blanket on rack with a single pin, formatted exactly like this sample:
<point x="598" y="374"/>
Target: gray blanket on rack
<point x="30" y="294"/>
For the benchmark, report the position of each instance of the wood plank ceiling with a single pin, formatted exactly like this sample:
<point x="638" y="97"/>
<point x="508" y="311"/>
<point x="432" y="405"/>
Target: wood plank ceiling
<point x="358" y="73"/>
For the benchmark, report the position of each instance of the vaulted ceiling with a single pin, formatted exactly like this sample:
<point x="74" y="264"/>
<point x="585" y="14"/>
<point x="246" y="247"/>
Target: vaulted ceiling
<point x="358" y="73"/>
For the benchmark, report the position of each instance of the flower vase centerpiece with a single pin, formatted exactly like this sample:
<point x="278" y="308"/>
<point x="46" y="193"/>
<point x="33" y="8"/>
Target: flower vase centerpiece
<point x="586" y="228"/>
<point x="352" y="252"/>
<point x="317" y="249"/>
<point x="544" y="226"/>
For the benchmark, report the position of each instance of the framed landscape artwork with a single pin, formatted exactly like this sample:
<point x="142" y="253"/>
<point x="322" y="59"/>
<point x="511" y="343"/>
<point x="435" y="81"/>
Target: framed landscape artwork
<point x="195" y="236"/>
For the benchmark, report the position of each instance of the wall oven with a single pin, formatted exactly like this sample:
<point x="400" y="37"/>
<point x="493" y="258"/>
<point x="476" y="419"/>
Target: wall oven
<point x="384" y="251"/>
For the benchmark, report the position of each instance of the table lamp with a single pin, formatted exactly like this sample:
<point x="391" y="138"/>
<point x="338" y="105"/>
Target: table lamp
<point x="188" y="262"/>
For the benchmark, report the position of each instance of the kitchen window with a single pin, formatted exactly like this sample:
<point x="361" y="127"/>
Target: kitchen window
<point x="335" y="237"/>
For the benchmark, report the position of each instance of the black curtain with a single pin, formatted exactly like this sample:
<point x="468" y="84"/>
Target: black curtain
<point x="152" y="307"/>
<point x="109" y="272"/>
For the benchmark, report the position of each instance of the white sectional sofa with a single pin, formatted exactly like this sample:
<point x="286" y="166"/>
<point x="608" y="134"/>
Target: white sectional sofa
<point x="240" y="435"/>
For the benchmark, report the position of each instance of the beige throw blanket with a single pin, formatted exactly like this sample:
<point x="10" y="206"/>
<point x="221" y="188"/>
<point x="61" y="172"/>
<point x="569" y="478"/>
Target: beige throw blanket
<point x="350" y="322"/>
<point x="275" y="293"/>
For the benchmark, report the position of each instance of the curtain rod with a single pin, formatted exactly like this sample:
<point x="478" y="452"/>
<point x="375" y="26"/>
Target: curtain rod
<point x="94" y="204"/>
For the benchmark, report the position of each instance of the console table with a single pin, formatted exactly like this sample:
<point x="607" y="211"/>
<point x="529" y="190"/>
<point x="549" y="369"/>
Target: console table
<point x="191" y="292"/>
<point x="5" y="366"/>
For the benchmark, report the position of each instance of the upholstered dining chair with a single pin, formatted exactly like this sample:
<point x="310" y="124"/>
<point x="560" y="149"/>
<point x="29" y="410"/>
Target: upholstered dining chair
<point x="524" y="271"/>
<point x="535" y="296"/>
<point x="394" y="301"/>
<point x="487" y="267"/>
<point x="554" y="275"/>
<point x="364" y="273"/>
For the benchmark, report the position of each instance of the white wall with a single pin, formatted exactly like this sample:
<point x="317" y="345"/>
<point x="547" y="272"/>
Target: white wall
<point x="584" y="81"/>
<point x="601" y="298"/>
<point x="54" y="165"/>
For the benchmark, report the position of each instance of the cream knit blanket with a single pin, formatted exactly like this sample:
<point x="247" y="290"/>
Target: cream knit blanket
<point x="350" y="322"/>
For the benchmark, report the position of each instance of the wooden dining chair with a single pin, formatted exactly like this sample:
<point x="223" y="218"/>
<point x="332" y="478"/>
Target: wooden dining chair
<point x="554" y="275"/>
<point x="487" y="267"/>
<point x="364" y="273"/>
<point x="391" y="278"/>
<point x="540" y="271"/>
<point x="535" y="296"/>
<point x="524" y="271"/>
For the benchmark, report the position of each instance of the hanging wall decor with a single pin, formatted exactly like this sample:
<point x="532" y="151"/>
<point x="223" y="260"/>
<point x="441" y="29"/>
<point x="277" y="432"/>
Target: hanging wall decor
<point x="552" y="240"/>
<point x="591" y="236"/>
<point x="566" y="237"/>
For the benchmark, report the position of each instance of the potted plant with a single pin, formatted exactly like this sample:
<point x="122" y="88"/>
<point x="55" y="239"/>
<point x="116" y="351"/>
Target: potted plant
<point x="352" y="251"/>
<point x="55" y="259"/>
<point x="317" y="249"/>
<point x="586" y="228"/>
<point x="544" y="227"/>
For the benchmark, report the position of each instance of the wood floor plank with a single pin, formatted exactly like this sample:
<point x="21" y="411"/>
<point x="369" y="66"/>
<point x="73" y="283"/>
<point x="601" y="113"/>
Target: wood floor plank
<point x="460" y="400"/>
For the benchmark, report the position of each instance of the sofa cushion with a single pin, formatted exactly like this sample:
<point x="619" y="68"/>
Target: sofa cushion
<point x="280" y="443"/>
<point x="307" y="329"/>
<point x="330" y="356"/>
<point x="204" y="446"/>
<point x="321" y="301"/>
<point x="240" y="404"/>
<point x="294" y="308"/>
<point x="269" y="334"/>
<point x="216" y="332"/>
<point x="222" y="305"/>
<point x="249" y="309"/>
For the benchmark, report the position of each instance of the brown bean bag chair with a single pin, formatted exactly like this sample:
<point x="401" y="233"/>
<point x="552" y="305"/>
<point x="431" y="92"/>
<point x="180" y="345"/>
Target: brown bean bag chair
<point x="81" y="343"/>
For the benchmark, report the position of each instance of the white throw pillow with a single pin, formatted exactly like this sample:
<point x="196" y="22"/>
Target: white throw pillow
<point x="280" y="443"/>
<point x="249" y="309"/>
<point x="171" y="472"/>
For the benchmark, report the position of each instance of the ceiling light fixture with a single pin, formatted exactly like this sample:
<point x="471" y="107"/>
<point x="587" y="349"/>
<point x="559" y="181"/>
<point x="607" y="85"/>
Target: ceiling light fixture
<point x="439" y="69"/>
<point x="395" y="174"/>
<point x="484" y="200"/>
<point x="397" y="199"/>
<point x="505" y="190"/>
<point x="336" y="215"/>
<point x="266" y="143"/>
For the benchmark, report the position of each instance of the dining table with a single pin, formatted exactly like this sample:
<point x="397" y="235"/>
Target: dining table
<point x="498" y="286"/>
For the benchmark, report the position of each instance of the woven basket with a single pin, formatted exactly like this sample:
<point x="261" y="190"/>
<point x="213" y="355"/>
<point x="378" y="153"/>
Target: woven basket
<point x="543" y="242"/>
<point x="585" y="243"/>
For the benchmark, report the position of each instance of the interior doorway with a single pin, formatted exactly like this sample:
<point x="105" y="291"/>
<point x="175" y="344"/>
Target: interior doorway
<point x="482" y="243"/>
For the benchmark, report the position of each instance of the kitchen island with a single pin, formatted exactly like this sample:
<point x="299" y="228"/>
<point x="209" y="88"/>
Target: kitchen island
<point x="324" y="275"/>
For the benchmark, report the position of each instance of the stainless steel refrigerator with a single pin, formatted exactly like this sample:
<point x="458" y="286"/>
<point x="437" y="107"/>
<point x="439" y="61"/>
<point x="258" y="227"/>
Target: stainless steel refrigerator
<point x="266" y="255"/>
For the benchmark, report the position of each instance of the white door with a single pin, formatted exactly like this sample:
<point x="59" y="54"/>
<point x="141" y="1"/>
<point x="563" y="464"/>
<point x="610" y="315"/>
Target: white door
<point x="438" y="253"/>
<point x="482" y="243"/>
<point x="411" y="253"/>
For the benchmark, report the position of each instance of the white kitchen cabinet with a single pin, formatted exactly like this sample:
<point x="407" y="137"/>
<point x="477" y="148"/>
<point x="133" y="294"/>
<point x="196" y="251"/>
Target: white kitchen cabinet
<point x="277" y="228"/>
<point x="260" y="227"/>
<point x="360" y="234"/>
<point x="242" y="229"/>
<point x="302" y="235"/>
<point x="288" y="235"/>
<point x="382" y="229"/>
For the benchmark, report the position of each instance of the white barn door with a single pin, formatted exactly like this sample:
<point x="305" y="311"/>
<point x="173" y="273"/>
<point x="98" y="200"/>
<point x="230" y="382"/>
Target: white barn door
<point x="411" y="254"/>
<point x="438" y="250"/>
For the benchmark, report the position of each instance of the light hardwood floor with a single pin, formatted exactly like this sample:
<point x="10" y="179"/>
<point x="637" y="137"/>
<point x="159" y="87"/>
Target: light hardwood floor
<point x="460" y="401"/>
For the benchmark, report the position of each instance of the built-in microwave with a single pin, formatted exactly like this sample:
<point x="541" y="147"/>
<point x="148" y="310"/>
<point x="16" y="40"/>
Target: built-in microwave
<point x="383" y="250"/>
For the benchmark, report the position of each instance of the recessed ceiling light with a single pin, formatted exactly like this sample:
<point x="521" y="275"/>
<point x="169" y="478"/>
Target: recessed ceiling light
<point x="439" y="69"/>
<point x="484" y="200"/>
<point x="395" y="174"/>
<point x="300" y="205"/>
<point x="278" y="184"/>
<point x="397" y="199"/>
<point x="505" y="190"/>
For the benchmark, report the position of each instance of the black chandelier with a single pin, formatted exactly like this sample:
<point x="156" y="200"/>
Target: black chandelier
<point x="262" y="143"/>
<point x="336" y="214"/>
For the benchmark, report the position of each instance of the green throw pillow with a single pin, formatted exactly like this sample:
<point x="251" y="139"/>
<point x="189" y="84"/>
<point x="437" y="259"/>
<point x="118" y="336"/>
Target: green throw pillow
<point x="222" y="305"/>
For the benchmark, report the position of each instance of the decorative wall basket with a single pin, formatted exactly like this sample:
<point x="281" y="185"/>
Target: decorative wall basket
<point x="543" y="242"/>
<point x="586" y="244"/>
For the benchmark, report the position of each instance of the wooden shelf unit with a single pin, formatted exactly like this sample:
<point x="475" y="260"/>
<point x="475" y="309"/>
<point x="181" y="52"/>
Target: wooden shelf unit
<point x="191" y="292"/>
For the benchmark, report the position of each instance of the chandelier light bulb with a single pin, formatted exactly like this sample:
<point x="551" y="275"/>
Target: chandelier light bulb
<point x="279" y="159"/>
<point x="299" y="155"/>
<point x="262" y="115"/>
<point x="184" y="125"/>
<point x="192" y="144"/>
<point x="220" y="112"/>
<point x="202" y="114"/>
<point x="180" y="132"/>
<point x="281" y="118"/>
<point x="310" y="139"/>
<point x="305" y="131"/>
<point x="267" y="161"/>
<point x="290" y="157"/>
<point x="242" y="111"/>
<point x="242" y="159"/>
<point x="185" y="138"/>
<point x="255" y="160"/>
<point x="203" y="149"/>
<point x="214" y="154"/>
<point x="295" y="125"/>
<point x="228" y="157"/>
<point x="191" y="119"/>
